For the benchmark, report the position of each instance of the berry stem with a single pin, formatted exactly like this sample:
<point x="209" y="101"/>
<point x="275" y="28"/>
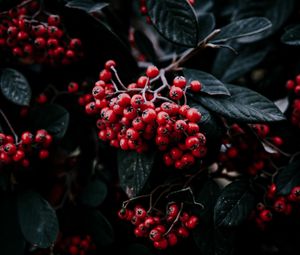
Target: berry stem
<point x="126" y="202"/>
<point x="176" y="220"/>
<point x="10" y="126"/>
<point x="118" y="78"/>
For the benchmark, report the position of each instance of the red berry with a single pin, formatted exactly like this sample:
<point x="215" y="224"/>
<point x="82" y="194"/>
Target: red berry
<point x="53" y="20"/>
<point x="40" y="43"/>
<point x="124" y="99"/>
<point x="192" y="222"/>
<point x="132" y="134"/>
<point x="149" y="222"/>
<point x="193" y="115"/>
<point x="73" y="250"/>
<point x="75" y="240"/>
<point x="73" y="87"/>
<point x="155" y="235"/>
<point x="27" y="138"/>
<point x="137" y="101"/>
<point x="295" y="193"/>
<point x="195" y="86"/>
<point x="172" y="239"/>
<point x="123" y="213"/>
<point x="297" y="90"/>
<point x="176" y="93"/>
<point x="142" y="81"/>
<point x="179" y="81"/>
<point x="140" y="212"/>
<point x="173" y="210"/>
<point x="277" y="141"/>
<point x="280" y="205"/>
<point x="161" y="244"/>
<point x="75" y="44"/>
<point x="265" y="215"/>
<point x="149" y="115"/>
<point x="105" y="75"/>
<point x="17" y="52"/>
<point x="10" y="149"/>
<point x="43" y="154"/>
<point x="290" y="85"/>
<point x="19" y="155"/>
<point x="162" y="118"/>
<point x="22" y="36"/>
<point x="109" y="64"/>
<point x="232" y="152"/>
<point x="42" y="98"/>
<point x="192" y="142"/>
<point x="176" y="153"/>
<point x="183" y="232"/>
<point x="168" y="160"/>
<point x="152" y="71"/>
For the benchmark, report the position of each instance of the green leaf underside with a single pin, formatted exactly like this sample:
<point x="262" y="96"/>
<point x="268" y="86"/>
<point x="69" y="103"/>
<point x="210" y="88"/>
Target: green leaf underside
<point x="292" y="36"/>
<point x="242" y="28"/>
<point x="134" y="170"/>
<point x="210" y="84"/>
<point x="38" y="220"/>
<point x="175" y="20"/>
<point x="94" y="193"/>
<point x="243" y="105"/>
<point x="233" y="205"/>
<point x="15" y="87"/>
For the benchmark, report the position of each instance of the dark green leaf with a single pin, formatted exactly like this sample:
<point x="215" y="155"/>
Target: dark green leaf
<point x="206" y="23"/>
<point x="292" y="36"/>
<point x="54" y="118"/>
<point x="94" y="193"/>
<point x="15" y="87"/>
<point x="98" y="227"/>
<point x="86" y="5"/>
<point x="243" y="105"/>
<point x="134" y="170"/>
<point x="12" y="241"/>
<point x="210" y="84"/>
<point x="37" y="219"/>
<point x="175" y="20"/>
<point x="241" y="28"/>
<point x="233" y="205"/>
<point x="145" y="46"/>
<point x="277" y="11"/>
<point x="228" y="66"/>
<point x="288" y="178"/>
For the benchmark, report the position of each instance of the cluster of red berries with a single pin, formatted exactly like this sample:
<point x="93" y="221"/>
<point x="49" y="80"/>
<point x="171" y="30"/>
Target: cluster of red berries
<point x="276" y="205"/>
<point x="294" y="87"/>
<point x="132" y="117"/>
<point x="144" y="10"/>
<point x="240" y="152"/>
<point x="34" y="41"/>
<point x="162" y="231"/>
<point x="76" y="245"/>
<point x="18" y="151"/>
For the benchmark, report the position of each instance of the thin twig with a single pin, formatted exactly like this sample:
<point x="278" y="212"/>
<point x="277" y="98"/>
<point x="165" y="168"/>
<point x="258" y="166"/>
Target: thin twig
<point x="9" y="126"/>
<point x="118" y="78"/>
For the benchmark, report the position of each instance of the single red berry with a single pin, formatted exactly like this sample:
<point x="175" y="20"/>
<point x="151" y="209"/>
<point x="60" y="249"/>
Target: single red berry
<point x="277" y="140"/>
<point x="75" y="44"/>
<point x="42" y="98"/>
<point x="297" y="90"/>
<point x="149" y="222"/>
<point x="132" y="134"/>
<point x="140" y="212"/>
<point x="17" y="52"/>
<point x="22" y="36"/>
<point x="105" y="75"/>
<point x="19" y="155"/>
<point x="232" y="152"/>
<point x="172" y="211"/>
<point x="138" y="232"/>
<point x="152" y="71"/>
<point x="168" y="160"/>
<point x="195" y="86"/>
<point x="10" y="149"/>
<point x="53" y="20"/>
<point x="137" y="101"/>
<point x="172" y="239"/>
<point x="162" y="118"/>
<point x="149" y="115"/>
<point x="298" y="79"/>
<point x="161" y="244"/>
<point x="280" y="205"/>
<point x="176" y="93"/>
<point x="188" y="159"/>
<point x="290" y="85"/>
<point x="73" y="87"/>
<point x="73" y="250"/>
<point x="192" y="142"/>
<point x="180" y="126"/>
<point x="40" y="136"/>
<point x="184" y="217"/>
<point x="138" y="124"/>
<point x="75" y="240"/>
<point x="183" y="232"/>
<point x="272" y="189"/>
<point x="27" y="138"/>
<point x="176" y="153"/>
<point x="40" y="43"/>
<point x="155" y="235"/>
<point x="123" y="213"/>
<point x="179" y="81"/>
<point x="295" y="193"/>
<point x="142" y="81"/>
<point x="43" y="154"/>
<point x="265" y="215"/>
<point x="192" y="222"/>
<point x="193" y="115"/>
<point x="109" y="64"/>
<point x="28" y="50"/>
<point x="25" y="163"/>
<point x="130" y="112"/>
<point x="124" y="99"/>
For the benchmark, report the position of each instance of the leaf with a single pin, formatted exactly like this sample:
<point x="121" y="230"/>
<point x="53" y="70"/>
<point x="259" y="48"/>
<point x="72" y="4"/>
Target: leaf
<point x="288" y="178"/>
<point x="15" y="87"/>
<point x="99" y="228"/>
<point x="175" y="20"/>
<point x="94" y="193"/>
<point x="37" y="219"/>
<point x="210" y="84"/>
<point x="88" y="6"/>
<point x="229" y="67"/>
<point x="282" y="104"/>
<point x="241" y="28"/>
<point x="292" y="36"/>
<point x="243" y="105"/>
<point x="145" y="46"/>
<point x="233" y="205"/>
<point x="54" y="118"/>
<point x="12" y="241"/>
<point x="206" y="23"/>
<point x="134" y="170"/>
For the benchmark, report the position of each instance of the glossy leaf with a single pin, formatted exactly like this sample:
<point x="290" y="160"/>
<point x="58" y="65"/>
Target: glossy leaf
<point x="292" y="36"/>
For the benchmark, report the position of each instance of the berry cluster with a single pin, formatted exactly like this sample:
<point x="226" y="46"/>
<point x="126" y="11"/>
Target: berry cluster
<point x="137" y="114"/>
<point x="32" y="40"/>
<point x="163" y="231"/>
<point x="275" y="204"/>
<point x="76" y="245"/>
<point x="294" y="87"/>
<point x="243" y="153"/>
<point x="12" y="151"/>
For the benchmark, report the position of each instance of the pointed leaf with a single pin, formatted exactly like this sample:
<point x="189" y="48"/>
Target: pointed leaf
<point x="15" y="87"/>
<point x="134" y="170"/>
<point x="288" y="178"/>
<point x="292" y="36"/>
<point x="243" y="105"/>
<point x="175" y="20"/>
<point x="37" y="219"/>
<point x="210" y="84"/>
<point x="241" y="28"/>
<point x="206" y="23"/>
<point x="54" y="118"/>
<point x="86" y="5"/>
<point x="234" y="204"/>
<point x="94" y="193"/>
